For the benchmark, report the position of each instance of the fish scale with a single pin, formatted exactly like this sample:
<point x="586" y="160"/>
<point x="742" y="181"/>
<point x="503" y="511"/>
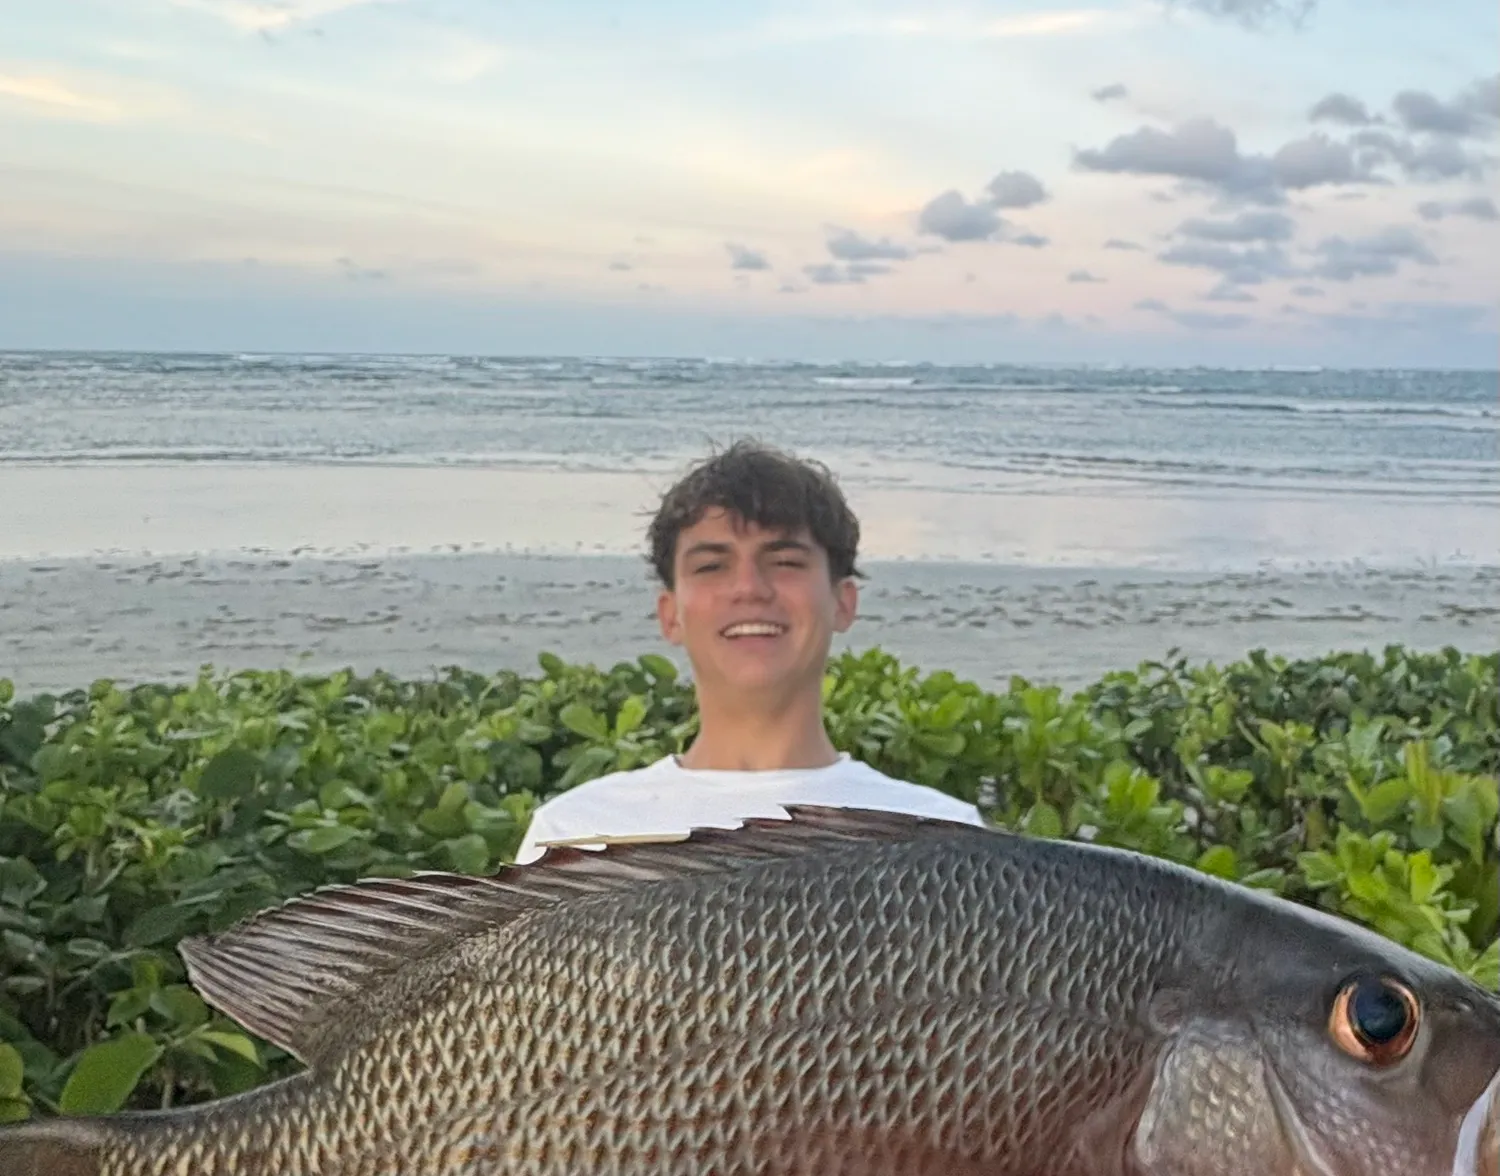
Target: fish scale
<point x="840" y="994"/>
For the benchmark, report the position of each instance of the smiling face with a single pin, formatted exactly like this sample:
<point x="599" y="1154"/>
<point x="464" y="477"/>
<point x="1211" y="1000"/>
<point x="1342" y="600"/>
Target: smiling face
<point x="754" y="608"/>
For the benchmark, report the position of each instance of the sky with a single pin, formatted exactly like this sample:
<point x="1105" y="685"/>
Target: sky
<point x="1234" y="182"/>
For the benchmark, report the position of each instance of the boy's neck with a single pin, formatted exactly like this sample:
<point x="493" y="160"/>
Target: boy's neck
<point x="760" y="741"/>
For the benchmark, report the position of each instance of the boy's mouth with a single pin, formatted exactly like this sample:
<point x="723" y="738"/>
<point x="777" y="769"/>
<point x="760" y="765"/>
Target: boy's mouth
<point x="753" y="629"/>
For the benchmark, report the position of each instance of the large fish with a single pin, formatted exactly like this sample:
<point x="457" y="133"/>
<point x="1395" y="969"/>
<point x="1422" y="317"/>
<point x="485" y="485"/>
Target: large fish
<point x="842" y="994"/>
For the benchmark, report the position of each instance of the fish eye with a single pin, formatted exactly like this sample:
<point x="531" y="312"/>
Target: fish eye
<point x="1375" y="1020"/>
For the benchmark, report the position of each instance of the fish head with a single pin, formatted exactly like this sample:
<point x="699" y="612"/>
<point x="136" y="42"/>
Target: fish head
<point x="1326" y="1050"/>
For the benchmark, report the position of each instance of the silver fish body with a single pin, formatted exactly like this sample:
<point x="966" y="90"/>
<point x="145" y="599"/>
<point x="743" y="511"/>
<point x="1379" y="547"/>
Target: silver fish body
<point x="841" y="994"/>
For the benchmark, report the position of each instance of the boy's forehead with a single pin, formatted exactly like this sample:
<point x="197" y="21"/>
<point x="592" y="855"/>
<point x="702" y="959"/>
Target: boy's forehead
<point x="720" y="523"/>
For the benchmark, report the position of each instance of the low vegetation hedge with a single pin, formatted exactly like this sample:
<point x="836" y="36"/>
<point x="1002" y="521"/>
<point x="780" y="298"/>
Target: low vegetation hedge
<point x="1361" y="783"/>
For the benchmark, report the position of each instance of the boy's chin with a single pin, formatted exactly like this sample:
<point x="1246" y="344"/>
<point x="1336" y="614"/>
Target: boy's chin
<point x="744" y="674"/>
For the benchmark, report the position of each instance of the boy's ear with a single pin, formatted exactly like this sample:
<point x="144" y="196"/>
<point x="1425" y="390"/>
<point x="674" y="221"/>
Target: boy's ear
<point x="846" y="603"/>
<point x="666" y="616"/>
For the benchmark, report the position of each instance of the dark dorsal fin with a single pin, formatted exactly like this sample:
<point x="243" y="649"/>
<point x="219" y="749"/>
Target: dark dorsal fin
<point x="284" y="974"/>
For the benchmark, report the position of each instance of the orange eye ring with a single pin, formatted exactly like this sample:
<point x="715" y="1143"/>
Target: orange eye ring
<point x="1375" y="1020"/>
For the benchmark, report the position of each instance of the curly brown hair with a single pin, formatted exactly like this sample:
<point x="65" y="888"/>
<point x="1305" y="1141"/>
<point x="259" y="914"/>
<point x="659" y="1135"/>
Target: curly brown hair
<point x="764" y="486"/>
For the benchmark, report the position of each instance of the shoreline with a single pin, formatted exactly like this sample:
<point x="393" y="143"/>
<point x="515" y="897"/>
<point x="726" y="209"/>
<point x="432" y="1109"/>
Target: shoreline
<point x="221" y="510"/>
<point x="65" y="623"/>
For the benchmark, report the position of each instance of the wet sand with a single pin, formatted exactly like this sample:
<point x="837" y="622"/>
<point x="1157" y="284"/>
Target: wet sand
<point x="67" y="622"/>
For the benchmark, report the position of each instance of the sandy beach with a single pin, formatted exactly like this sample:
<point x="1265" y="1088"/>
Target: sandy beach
<point x="64" y="623"/>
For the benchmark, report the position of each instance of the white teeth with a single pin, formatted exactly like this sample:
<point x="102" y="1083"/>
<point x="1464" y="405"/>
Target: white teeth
<point x="753" y="629"/>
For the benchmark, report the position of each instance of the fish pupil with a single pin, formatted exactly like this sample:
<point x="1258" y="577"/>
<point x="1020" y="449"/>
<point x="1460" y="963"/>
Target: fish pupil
<point x="1380" y="1014"/>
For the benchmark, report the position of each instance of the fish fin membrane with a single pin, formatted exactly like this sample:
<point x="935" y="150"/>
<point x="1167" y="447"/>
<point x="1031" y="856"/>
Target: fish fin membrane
<point x="53" y="1147"/>
<point x="286" y="972"/>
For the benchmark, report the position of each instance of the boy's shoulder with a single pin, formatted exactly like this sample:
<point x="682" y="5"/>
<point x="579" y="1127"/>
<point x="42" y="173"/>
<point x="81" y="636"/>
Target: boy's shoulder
<point x="665" y="798"/>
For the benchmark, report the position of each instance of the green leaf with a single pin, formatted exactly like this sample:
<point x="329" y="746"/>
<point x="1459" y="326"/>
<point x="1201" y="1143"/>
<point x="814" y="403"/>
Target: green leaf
<point x="1043" y="820"/>
<point x="12" y="1070"/>
<point x="632" y="712"/>
<point x="1426" y="834"/>
<point x="582" y="720"/>
<point x="469" y="854"/>
<point x="587" y="766"/>
<point x="107" y="1073"/>
<point x="158" y="924"/>
<point x="662" y="669"/>
<point x="945" y="744"/>
<point x="322" y="840"/>
<point x="127" y="1006"/>
<point x="950" y="711"/>
<point x="1320" y="869"/>
<point x="1221" y="861"/>
<point x="1385" y="800"/>
<point x="236" y="1044"/>
<point x="230" y="775"/>
<point x="180" y="1005"/>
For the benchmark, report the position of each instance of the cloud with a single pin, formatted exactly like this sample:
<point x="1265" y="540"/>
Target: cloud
<point x="1308" y="291"/>
<point x="1252" y="14"/>
<point x="458" y="59"/>
<point x="86" y="96"/>
<point x="1203" y="151"/>
<point x="1430" y="145"/>
<point x="1015" y="189"/>
<point x="1247" y="226"/>
<point x="953" y="218"/>
<point x="1127" y="246"/>
<point x="55" y="97"/>
<point x="1438" y="158"/>
<point x="1244" y="267"/>
<point x="1229" y="292"/>
<point x="1341" y="259"/>
<point x="621" y="266"/>
<point x="1315" y="160"/>
<point x="1341" y="108"/>
<point x="358" y="273"/>
<point x="744" y="258"/>
<point x="1050" y="24"/>
<point x="1245" y="250"/>
<point x="853" y="274"/>
<point x="1199" y="149"/>
<point x="269" y="16"/>
<point x="1401" y="317"/>
<point x="1083" y="275"/>
<point x="1471" y="112"/>
<point x="1110" y="92"/>
<point x="847" y="245"/>
<point x="1477" y="207"/>
<point x="934" y="24"/>
<point x="1195" y="320"/>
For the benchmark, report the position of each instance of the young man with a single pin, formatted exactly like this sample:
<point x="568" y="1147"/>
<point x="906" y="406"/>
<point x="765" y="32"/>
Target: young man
<point x="755" y="552"/>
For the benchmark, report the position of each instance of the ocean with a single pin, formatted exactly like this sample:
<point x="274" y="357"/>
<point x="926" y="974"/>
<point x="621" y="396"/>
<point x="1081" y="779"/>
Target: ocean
<point x="1379" y="448"/>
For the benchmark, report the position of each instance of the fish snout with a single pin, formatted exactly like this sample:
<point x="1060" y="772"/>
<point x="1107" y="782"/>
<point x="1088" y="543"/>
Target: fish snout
<point x="1478" y="1151"/>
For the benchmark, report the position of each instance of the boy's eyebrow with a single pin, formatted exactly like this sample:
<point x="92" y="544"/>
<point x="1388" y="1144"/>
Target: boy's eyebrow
<point x="705" y="547"/>
<point x="713" y="547"/>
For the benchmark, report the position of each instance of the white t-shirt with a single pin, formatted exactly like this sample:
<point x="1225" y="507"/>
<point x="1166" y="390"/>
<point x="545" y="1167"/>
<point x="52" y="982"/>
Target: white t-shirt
<point x="665" y="799"/>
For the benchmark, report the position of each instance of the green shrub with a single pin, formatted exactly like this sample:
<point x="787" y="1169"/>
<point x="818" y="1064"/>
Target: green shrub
<point x="130" y="818"/>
